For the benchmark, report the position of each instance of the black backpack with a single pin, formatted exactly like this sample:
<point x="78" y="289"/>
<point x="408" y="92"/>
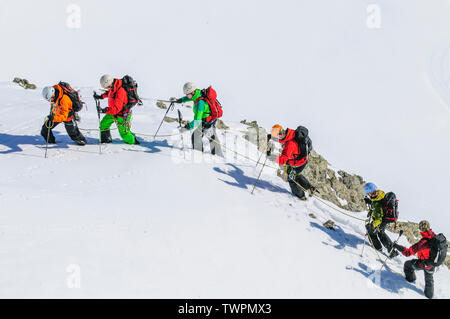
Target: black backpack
<point x="130" y="86"/>
<point x="390" y="208"/>
<point x="77" y="104"/>
<point x="304" y="142"/>
<point x="438" y="250"/>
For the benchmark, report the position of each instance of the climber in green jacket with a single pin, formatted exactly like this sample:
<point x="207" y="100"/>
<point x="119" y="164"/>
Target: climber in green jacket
<point x="376" y="226"/>
<point x="201" y="124"/>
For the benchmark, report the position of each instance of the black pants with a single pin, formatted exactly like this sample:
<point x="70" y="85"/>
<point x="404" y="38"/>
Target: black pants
<point x="71" y="128"/>
<point x="379" y="238"/>
<point x="299" y="178"/>
<point x="209" y="130"/>
<point x="410" y="268"/>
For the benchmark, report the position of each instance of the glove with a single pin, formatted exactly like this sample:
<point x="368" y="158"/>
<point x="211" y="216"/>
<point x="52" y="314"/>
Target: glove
<point x="367" y="200"/>
<point x="50" y="118"/>
<point x="103" y="110"/>
<point x="269" y="149"/>
<point x="186" y="126"/>
<point x="173" y="99"/>
<point x="292" y="175"/>
<point x="97" y="97"/>
<point x="399" y="247"/>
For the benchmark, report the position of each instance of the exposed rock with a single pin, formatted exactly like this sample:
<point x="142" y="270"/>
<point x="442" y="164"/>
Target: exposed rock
<point x="24" y="83"/>
<point x="312" y="215"/>
<point x="342" y="189"/>
<point x="161" y="105"/>
<point x="256" y="135"/>
<point x="329" y="224"/>
<point x="252" y="123"/>
<point x="220" y="125"/>
<point x="169" y="119"/>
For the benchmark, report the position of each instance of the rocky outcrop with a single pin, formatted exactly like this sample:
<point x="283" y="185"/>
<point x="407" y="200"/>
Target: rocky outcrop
<point x="256" y="135"/>
<point x="220" y="125"/>
<point x="24" y="83"/>
<point x="341" y="188"/>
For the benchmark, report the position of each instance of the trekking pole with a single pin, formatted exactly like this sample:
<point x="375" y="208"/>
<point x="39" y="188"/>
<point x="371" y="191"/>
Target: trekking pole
<point x="168" y="109"/>
<point x="97" y="104"/>
<point x="165" y="101"/>
<point x="364" y="245"/>
<point x="257" y="163"/>
<point x="392" y="248"/>
<point x="180" y="119"/>
<point x="49" y="127"/>
<point x="254" y="186"/>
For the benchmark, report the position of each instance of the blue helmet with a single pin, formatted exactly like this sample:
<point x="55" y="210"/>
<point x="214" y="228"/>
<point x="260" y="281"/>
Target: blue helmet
<point x="370" y="188"/>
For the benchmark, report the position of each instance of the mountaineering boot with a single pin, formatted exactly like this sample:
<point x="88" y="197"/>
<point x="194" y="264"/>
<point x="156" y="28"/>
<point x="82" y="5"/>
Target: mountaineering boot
<point x="136" y="142"/>
<point x="312" y="190"/>
<point x="81" y="142"/>
<point x="45" y="132"/>
<point x="105" y="137"/>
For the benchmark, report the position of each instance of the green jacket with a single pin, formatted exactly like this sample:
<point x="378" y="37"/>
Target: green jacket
<point x="376" y="208"/>
<point x="201" y="109"/>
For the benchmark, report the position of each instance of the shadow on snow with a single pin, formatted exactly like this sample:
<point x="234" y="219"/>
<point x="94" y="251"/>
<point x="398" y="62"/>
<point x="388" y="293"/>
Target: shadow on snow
<point x="245" y="182"/>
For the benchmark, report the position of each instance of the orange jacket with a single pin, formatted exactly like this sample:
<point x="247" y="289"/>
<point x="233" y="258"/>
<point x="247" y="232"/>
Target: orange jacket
<point x="62" y="106"/>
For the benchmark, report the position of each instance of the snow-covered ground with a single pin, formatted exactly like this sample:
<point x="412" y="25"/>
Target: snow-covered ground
<point x="370" y="79"/>
<point x="141" y="221"/>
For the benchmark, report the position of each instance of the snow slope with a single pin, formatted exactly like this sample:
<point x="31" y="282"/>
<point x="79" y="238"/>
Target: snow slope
<point x="316" y="63"/>
<point x="143" y="222"/>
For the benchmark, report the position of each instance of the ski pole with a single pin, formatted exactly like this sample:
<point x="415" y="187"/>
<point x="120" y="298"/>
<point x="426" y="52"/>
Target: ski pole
<point x="49" y="127"/>
<point x="168" y="109"/>
<point x="180" y="119"/>
<point x="392" y="248"/>
<point x="97" y="104"/>
<point x="254" y="186"/>
<point x="257" y="163"/>
<point x="165" y="101"/>
<point x="364" y="245"/>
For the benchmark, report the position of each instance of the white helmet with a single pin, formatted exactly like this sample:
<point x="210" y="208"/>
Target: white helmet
<point x="48" y="92"/>
<point x="189" y="88"/>
<point x="106" y="81"/>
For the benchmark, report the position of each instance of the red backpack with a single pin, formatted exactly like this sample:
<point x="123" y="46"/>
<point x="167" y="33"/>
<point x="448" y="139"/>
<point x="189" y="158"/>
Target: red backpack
<point x="210" y="95"/>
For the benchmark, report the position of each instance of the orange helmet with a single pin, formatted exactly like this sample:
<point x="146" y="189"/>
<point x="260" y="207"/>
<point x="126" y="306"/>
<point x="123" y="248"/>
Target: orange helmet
<point x="276" y="129"/>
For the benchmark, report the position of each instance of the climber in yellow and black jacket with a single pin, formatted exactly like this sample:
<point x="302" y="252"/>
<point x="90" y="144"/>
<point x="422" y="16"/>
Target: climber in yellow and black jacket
<point x="376" y="225"/>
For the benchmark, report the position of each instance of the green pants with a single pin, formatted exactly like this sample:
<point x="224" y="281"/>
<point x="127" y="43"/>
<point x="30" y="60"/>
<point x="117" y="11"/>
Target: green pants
<point x="123" y="125"/>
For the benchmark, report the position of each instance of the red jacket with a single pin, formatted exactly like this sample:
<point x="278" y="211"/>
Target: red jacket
<point x="421" y="248"/>
<point x="117" y="98"/>
<point x="291" y="151"/>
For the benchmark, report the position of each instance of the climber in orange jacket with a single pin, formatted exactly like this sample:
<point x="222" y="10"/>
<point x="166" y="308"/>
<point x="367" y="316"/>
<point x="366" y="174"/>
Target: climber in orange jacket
<point x="61" y="112"/>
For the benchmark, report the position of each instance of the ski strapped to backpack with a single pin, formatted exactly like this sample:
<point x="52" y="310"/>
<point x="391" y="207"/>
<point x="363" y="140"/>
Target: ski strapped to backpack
<point x="210" y="96"/>
<point x="304" y="142"/>
<point x="77" y="104"/>
<point x="390" y="208"/>
<point x="130" y="86"/>
<point x="438" y="250"/>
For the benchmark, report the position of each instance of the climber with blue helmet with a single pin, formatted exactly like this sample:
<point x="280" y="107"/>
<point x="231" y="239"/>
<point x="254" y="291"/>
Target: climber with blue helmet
<point x="376" y="201"/>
